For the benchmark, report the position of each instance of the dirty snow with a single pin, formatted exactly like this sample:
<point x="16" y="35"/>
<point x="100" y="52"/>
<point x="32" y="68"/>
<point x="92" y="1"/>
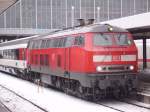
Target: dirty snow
<point x="15" y="103"/>
<point x="51" y="100"/>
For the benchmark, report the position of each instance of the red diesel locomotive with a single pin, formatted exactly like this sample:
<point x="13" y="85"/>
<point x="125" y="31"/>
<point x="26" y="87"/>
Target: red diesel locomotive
<point x="88" y="61"/>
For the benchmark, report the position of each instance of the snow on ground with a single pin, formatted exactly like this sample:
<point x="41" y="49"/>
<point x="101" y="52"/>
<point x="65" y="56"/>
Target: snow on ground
<point x="51" y="100"/>
<point x="15" y="103"/>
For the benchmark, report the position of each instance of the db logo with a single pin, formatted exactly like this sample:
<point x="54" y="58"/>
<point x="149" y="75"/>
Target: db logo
<point x="116" y="58"/>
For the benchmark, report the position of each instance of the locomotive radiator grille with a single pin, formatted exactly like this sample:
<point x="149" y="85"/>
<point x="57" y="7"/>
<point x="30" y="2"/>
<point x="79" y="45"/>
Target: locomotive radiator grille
<point x="116" y="68"/>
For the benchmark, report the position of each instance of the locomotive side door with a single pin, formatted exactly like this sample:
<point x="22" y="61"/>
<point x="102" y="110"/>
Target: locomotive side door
<point x="68" y="44"/>
<point x="67" y="59"/>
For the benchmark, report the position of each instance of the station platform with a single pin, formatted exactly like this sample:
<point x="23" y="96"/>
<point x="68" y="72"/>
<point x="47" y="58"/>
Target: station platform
<point x="143" y="93"/>
<point x="144" y="76"/>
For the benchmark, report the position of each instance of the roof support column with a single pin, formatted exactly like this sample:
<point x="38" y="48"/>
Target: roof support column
<point x="20" y="13"/>
<point x="5" y="24"/>
<point x="144" y="54"/>
<point x="36" y="14"/>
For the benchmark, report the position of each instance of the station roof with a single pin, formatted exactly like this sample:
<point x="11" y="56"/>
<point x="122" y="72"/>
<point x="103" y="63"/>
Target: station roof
<point x="135" y="23"/>
<point x="5" y="4"/>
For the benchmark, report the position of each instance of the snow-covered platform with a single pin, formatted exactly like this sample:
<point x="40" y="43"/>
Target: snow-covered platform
<point x="50" y="100"/>
<point x="145" y="75"/>
<point x="15" y="103"/>
<point x="144" y="86"/>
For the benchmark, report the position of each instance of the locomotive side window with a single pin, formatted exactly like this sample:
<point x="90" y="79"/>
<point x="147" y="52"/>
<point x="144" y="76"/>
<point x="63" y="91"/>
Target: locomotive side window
<point x="56" y="42"/>
<point x="36" y="59"/>
<point x="41" y="60"/>
<point x="103" y="39"/>
<point x="79" y="41"/>
<point x="33" y="45"/>
<point x="64" y="42"/>
<point x="60" y="42"/>
<point x="69" y="41"/>
<point x="48" y="43"/>
<point x="30" y="44"/>
<point x="52" y="43"/>
<point x="122" y="39"/>
<point x="37" y="42"/>
<point x="46" y="60"/>
<point x="43" y="44"/>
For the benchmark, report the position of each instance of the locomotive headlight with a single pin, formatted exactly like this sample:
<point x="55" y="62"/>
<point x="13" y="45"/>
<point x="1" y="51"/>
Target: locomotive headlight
<point x="98" y="68"/>
<point x="110" y="29"/>
<point x="131" y="67"/>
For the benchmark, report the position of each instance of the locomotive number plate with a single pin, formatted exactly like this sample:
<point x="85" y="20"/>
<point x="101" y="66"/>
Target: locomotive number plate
<point x="116" y="58"/>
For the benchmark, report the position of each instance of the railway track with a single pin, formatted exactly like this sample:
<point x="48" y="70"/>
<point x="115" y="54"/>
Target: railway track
<point x="5" y="108"/>
<point x="6" y="90"/>
<point x="144" y="87"/>
<point x="124" y="106"/>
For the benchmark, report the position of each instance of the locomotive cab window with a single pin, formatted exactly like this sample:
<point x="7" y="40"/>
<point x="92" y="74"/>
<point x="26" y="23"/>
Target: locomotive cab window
<point x="122" y="39"/>
<point x="101" y="39"/>
<point x="69" y="41"/>
<point x="79" y="41"/>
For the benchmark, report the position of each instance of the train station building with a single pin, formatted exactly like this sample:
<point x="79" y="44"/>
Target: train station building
<point x="40" y="16"/>
<point x="24" y="18"/>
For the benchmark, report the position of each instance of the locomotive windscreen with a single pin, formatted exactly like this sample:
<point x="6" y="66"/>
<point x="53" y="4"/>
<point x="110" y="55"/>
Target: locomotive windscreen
<point x="104" y="39"/>
<point x="122" y="39"/>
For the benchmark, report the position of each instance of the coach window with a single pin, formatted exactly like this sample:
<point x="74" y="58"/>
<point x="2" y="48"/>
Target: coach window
<point x="17" y="54"/>
<point x="1" y="54"/>
<point x="10" y="54"/>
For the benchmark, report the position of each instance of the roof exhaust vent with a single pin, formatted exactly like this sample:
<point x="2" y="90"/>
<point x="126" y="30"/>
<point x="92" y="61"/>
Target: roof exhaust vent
<point x="81" y="22"/>
<point x="90" y="21"/>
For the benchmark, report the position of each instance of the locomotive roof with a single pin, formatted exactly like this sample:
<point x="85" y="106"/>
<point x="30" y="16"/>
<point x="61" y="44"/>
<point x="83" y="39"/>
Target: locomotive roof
<point x="17" y="41"/>
<point x="84" y="29"/>
<point x="71" y="31"/>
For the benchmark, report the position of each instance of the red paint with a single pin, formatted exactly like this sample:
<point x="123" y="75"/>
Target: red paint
<point x="141" y="60"/>
<point x="79" y="59"/>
